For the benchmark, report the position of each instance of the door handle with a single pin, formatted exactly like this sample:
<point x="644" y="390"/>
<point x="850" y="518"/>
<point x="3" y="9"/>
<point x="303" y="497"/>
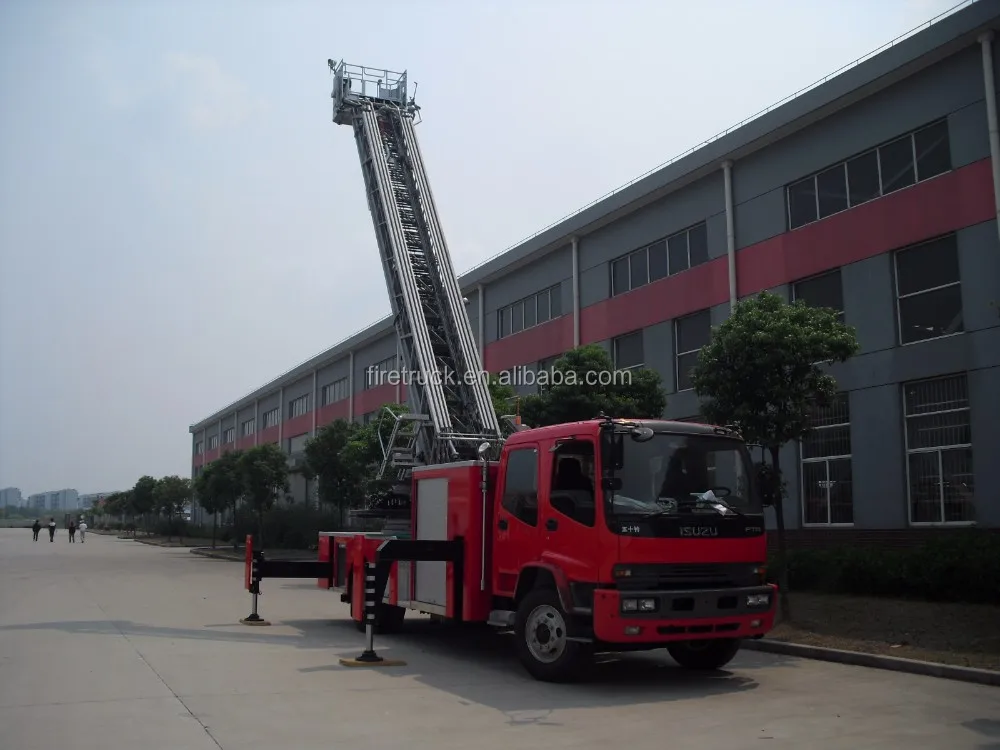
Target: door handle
<point x="502" y="524"/>
<point x="551" y="524"/>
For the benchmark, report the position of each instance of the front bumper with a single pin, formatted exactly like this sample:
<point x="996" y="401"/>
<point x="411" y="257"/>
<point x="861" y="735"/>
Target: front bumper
<point x="663" y="616"/>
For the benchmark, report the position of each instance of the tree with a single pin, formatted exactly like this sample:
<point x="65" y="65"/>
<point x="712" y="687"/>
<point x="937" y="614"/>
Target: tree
<point x="264" y="474"/>
<point x="219" y="487"/>
<point x="366" y="451"/>
<point x="763" y="372"/>
<point x="333" y="462"/>
<point x="143" y="500"/>
<point x="504" y="397"/>
<point x="585" y="383"/>
<point x="170" y="494"/>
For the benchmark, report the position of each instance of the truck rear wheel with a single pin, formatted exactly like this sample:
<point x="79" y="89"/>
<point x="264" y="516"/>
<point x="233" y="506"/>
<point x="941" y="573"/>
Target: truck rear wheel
<point x="714" y="653"/>
<point x="542" y="631"/>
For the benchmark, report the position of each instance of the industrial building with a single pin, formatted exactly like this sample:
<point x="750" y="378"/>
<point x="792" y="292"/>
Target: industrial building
<point x="57" y="501"/>
<point x="10" y="497"/>
<point x="874" y="193"/>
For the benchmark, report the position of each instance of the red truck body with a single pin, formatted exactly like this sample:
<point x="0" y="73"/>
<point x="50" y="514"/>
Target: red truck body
<point x="620" y="581"/>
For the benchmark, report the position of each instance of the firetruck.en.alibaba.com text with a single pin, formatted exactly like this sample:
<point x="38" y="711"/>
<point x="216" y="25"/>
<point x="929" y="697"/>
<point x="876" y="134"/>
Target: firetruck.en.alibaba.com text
<point x="517" y="377"/>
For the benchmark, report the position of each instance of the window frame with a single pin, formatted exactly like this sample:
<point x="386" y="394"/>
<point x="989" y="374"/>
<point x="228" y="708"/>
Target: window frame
<point x="912" y="135"/>
<point x="248" y="431"/>
<point x="841" y="314"/>
<point x="553" y="473"/>
<point x="849" y="457"/>
<point x="229" y="436"/>
<point x="533" y="449"/>
<point x="645" y="250"/>
<point x="614" y="351"/>
<point x="540" y="299"/>
<point x="909" y="295"/>
<point x="328" y="392"/>
<point x="213" y="442"/>
<point x="938" y="449"/>
<point x="271" y="418"/>
<point x="299" y="406"/>
<point x="678" y="354"/>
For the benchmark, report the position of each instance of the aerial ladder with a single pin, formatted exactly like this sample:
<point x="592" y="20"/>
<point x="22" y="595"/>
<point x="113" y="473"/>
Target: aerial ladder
<point x="452" y="413"/>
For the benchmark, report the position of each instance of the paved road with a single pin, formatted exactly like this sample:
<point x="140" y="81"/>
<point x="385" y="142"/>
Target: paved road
<point x="121" y="646"/>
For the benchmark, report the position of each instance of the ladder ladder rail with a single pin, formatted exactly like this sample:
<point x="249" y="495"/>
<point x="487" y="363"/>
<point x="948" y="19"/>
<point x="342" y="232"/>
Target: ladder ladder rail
<point x="447" y="280"/>
<point x="393" y="276"/>
<point x="422" y="348"/>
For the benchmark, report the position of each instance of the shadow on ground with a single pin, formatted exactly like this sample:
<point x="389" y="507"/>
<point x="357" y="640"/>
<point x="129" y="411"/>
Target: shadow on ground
<point x="472" y="663"/>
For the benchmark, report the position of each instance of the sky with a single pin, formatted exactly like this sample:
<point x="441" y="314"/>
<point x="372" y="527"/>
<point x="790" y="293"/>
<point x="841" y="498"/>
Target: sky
<point x="181" y="222"/>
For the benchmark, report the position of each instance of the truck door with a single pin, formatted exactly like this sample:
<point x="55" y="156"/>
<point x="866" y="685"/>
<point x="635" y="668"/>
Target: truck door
<point x="569" y="512"/>
<point x="517" y="535"/>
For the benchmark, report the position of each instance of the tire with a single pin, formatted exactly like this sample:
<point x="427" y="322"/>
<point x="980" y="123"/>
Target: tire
<point x="542" y="631"/>
<point x="388" y="619"/>
<point x="706" y="654"/>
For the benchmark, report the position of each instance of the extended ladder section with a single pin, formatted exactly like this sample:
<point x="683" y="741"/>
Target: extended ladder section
<point x="449" y="397"/>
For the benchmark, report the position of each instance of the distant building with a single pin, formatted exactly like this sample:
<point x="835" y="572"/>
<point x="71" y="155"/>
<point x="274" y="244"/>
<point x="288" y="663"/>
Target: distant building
<point x="10" y="497"/>
<point x="56" y="501"/>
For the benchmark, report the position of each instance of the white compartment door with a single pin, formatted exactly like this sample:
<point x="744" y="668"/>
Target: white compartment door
<point x="431" y="586"/>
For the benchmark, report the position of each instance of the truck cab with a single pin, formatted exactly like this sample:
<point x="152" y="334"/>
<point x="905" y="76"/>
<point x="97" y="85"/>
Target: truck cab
<point x="626" y="535"/>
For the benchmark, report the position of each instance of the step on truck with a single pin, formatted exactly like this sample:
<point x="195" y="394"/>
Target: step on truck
<point x="601" y="535"/>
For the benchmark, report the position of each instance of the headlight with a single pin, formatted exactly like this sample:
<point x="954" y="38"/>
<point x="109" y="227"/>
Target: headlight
<point x="758" y="600"/>
<point x="647" y="605"/>
<point x="640" y="605"/>
<point x="630" y="605"/>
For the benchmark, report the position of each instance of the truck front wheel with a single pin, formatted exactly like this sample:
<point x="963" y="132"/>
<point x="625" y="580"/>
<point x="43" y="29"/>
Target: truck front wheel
<point x="543" y="638"/>
<point x="714" y="653"/>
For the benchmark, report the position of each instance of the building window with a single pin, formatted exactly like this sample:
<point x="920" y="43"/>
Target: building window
<point x="547" y="366"/>
<point x="822" y="291"/>
<point x="929" y="291"/>
<point x="368" y="417"/>
<point x="335" y="391"/>
<point x="271" y="418"/>
<point x="827" y="489"/>
<point x="691" y="333"/>
<point x="213" y="442"/>
<point x="199" y="447"/>
<point x="230" y="435"/>
<point x="627" y="351"/>
<point x="520" y="492"/>
<point x="662" y="258"/>
<point x="299" y="406"/>
<point x="297" y="444"/>
<point x="892" y="166"/>
<point x="939" y="450"/>
<point x="378" y="373"/>
<point x="249" y="427"/>
<point x="529" y="312"/>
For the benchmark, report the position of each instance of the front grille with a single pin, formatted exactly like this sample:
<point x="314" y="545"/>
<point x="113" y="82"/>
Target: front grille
<point x="688" y="576"/>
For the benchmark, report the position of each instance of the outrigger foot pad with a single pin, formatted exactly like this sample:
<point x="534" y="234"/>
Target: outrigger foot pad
<point x="254" y="620"/>
<point x="372" y="661"/>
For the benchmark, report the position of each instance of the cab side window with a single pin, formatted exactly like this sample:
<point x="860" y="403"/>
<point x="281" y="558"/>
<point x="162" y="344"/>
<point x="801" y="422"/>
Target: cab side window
<point x="572" y="491"/>
<point x="520" y="493"/>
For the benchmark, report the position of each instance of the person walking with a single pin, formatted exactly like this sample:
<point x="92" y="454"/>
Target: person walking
<point x="72" y="530"/>
<point x="35" y="528"/>
<point x="52" y="529"/>
<point x="83" y="530"/>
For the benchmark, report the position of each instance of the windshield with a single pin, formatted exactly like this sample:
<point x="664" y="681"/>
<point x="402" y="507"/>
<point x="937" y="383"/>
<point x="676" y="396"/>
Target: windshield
<point x="675" y="474"/>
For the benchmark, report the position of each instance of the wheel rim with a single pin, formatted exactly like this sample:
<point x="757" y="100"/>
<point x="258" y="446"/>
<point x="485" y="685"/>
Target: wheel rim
<point x="545" y="633"/>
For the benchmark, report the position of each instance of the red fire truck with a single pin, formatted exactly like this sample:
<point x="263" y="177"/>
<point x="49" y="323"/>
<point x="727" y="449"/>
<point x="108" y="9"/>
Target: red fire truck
<point x="602" y="535"/>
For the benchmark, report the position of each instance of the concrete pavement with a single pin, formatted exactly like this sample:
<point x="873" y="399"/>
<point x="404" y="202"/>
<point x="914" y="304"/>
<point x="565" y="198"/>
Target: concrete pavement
<point x="118" y="645"/>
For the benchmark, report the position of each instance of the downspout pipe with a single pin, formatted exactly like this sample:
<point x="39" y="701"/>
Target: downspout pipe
<point x="576" y="292"/>
<point x="727" y="173"/>
<point x="986" y="42"/>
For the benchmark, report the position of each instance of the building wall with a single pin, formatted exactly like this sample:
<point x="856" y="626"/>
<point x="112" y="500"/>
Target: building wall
<point x="859" y="243"/>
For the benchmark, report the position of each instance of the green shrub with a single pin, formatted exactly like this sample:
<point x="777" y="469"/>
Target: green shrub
<point x="285" y="527"/>
<point x="961" y="567"/>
